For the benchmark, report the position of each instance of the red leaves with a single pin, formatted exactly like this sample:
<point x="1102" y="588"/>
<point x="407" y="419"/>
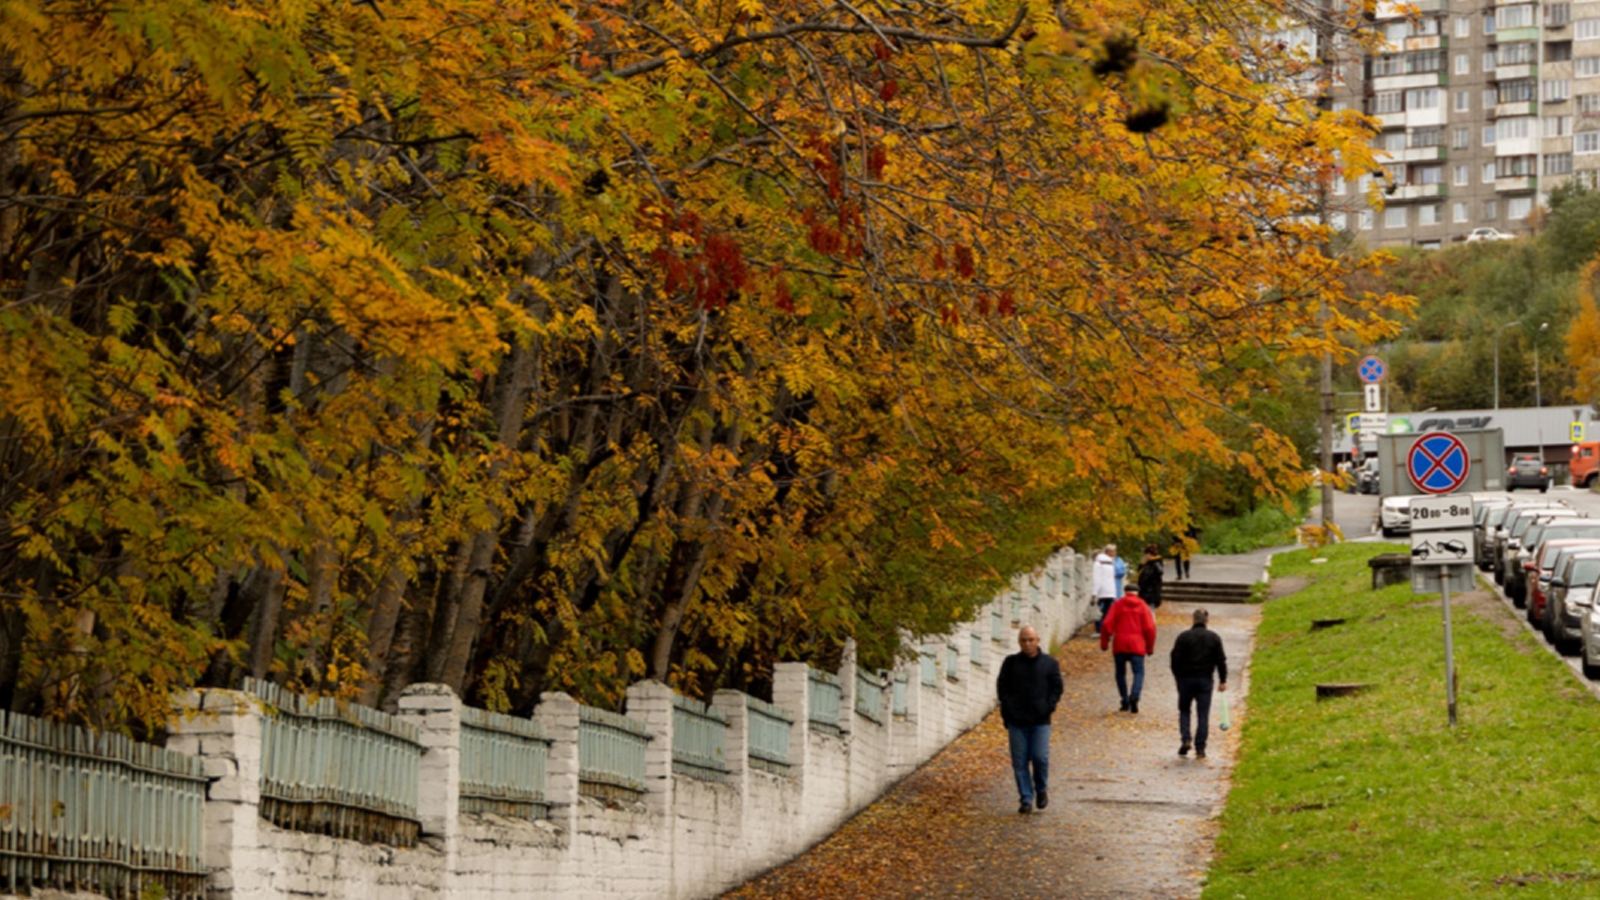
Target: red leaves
<point x="891" y="87"/>
<point x="964" y="262"/>
<point x="713" y="276"/>
<point x="876" y="158"/>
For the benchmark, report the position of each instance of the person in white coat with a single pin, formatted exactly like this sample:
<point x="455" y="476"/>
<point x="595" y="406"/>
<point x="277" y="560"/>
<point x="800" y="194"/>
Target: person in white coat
<point x="1105" y="581"/>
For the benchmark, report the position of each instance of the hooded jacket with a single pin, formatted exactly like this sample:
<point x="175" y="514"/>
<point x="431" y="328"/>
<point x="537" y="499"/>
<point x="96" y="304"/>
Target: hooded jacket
<point x="1105" y="576"/>
<point x="1129" y="627"/>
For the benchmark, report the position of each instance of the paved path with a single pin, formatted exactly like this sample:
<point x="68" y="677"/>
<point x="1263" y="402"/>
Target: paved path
<point x="1128" y="818"/>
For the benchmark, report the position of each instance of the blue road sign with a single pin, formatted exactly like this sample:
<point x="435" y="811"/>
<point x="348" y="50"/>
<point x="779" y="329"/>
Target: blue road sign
<point x="1370" y="370"/>
<point x="1438" y="463"/>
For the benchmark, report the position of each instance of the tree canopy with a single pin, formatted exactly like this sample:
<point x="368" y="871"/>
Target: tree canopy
<point x="523" y="346"/>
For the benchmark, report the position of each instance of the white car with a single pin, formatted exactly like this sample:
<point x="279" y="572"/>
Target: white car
<point x="1394" y="516"/>
<point x="1489" y="234"/>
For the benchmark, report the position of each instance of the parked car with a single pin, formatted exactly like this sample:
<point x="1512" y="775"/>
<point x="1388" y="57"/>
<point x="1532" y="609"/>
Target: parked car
<point x="1487" y="514"/>
<point x="1394" y="516"/>
<point x="1541" y="568"/>
<point x="1591" y="638"/>
<point x="1529" y="560"/>
<point x="1489" y="234"/>
<point x="1506" y="539"/>
<point x="1585" y="465"/>
<point x="1528" y="470"/>
<point x="1527" y="528"/>
<point x="1571" y="593"/>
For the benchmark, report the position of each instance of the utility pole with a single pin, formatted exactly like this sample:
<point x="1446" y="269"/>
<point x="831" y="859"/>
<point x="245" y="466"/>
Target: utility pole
<point x="1324" y="37"/>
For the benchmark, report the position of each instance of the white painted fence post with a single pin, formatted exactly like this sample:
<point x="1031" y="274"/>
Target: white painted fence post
<point x="650" y="702"/>
<point x="557" y="716"/>
<point x="223" y="728"/>
<point x="791" y="690"/>
<point x="437" y="713"/>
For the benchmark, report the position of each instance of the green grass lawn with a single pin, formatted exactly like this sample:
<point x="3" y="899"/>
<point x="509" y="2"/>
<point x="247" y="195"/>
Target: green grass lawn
<point x="1375" y="795"/>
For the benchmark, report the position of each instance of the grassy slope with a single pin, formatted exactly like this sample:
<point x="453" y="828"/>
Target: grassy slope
<point x="1373" y="795"/>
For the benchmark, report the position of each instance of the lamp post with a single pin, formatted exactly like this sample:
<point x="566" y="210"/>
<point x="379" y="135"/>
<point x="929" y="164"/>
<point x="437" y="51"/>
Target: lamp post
<point x="1497" y="359"/>
<point x="1538" y="400"/>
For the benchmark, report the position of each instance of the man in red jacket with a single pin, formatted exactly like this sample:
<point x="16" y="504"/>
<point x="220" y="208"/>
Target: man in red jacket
<point x="1130" y="630"/>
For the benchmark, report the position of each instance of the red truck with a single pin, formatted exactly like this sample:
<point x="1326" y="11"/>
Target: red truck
<point x="1585" y="463"/>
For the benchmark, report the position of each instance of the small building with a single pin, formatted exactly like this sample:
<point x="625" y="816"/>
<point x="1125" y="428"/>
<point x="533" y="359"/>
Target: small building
<point x="1550" y="429"/>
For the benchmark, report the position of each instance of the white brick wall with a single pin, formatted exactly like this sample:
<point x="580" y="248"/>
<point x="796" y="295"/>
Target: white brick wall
<point x="686" y="839"/>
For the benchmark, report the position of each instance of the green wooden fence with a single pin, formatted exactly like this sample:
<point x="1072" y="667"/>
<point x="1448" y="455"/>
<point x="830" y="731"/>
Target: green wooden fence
<point x="897" y="699"/>
<point x="504" y="763"/>
<point x="610" y="755"/>
<point x="977" y="649"/>
<point x="997" y="625"/>
<point x="98" y="813"/>
<point x="699" y="739"/>
<point x="827" y="696"/>
<point x="337" y="768"/>
<point x="770" y="726"/>
<point x="952" y="662"/>
<point x="929" y="664"/>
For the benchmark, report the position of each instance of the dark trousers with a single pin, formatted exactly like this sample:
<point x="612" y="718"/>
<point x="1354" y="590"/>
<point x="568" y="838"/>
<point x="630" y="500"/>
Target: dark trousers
<point x="1180" y="565"/>
<point x="1105" y="607"/>
<point x="1196" y="690"/>
<point x="1030" y="746"/>
<point x="1124" y="661"/>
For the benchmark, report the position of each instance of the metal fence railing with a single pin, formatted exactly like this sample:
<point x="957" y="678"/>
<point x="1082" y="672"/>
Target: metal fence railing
<point x="610" y="755"/>
<point x="952" y="662"/>
<point x="770" y="727"/>
<point x="929" y="664"/>
<point x="869" y="695"/>
<point x="897" y="698"/>
<point x="699" y="739"/>
<point x="97" y="813"/>
<point x="977" y="649"/>
<point x="827" y="696"/>
<point x="504" y="765"/>
<point x="997" y="628"/>
<point x="1016" y="606"/>
<point x="337" y="768"/>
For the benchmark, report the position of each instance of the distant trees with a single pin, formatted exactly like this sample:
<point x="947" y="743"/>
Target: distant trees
<point x="520" y="345"/>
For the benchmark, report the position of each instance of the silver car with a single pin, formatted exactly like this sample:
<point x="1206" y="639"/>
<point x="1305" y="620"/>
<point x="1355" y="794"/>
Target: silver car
<point x="1570" y="596"/>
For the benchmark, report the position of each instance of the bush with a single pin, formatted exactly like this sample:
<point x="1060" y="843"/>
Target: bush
<point x="1266" y="526"/>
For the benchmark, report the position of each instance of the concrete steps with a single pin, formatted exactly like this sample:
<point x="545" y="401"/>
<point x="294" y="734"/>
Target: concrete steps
<point x="1203" y="592"/>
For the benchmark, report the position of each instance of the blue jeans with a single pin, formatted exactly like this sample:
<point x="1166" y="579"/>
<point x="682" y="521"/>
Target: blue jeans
<point x="1195" y="689"/>
<point x="1030" y="744"/>
<point x="1124" y="660"/>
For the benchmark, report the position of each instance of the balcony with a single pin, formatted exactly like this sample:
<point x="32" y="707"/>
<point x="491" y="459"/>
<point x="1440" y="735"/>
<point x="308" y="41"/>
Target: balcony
<point x="1425" y="42"/>
<point x="1514" y="35"/>
<point x="1388" y="9"/>
<point x="1417" y="192"/>
<point x="1519" y="108"/>
<point x="1510" y="73"/>
<point x="1403" y="82"/>
<point x="1391" y="120"/>
<point x="1515" y="184"/>
<point x="1415" y="154"/>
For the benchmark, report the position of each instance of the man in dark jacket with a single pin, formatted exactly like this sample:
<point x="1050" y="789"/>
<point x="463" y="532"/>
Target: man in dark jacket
<point x="1029" y="688"/>
<point x="1195" y="655"/>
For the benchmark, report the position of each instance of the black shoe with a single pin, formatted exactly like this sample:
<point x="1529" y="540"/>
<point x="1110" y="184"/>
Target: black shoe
<point x="1124" y="707"/>
<point x="1025" y="807"/>
<point x="1043" y="799"/>
<point x="1183" y="750"/>
<point x="1133" y="707"/>
<point x="1199" y="754"/>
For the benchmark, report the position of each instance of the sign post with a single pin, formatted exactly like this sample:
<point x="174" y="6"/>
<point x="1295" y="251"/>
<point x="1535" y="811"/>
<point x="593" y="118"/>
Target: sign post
<point x="1442" y="542"/>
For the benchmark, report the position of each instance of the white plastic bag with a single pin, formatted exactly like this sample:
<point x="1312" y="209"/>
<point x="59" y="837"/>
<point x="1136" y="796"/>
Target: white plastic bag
<point x="1223" y="719"/>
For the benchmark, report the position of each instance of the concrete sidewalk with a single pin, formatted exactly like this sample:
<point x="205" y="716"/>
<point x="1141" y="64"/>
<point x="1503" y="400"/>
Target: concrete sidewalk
<point x="1128" y="817"/>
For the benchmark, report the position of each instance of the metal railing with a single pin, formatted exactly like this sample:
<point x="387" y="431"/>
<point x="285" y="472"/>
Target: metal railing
<point x="769" y="736"/>
<point x="699" y="739"/>
<point x="1016" y="606"/>
<point x="98" y="813"/>
<point x="977" y="649"/>
<point x="869" y="695"/>
<point x="897" y="700"/>
<point x="826" y="697"/>
<point x="338" y="769"/>
<point x="997" y="630"/>
<point x="952" y="662"/>
<point x="504" y="765"/>
<point x="610" y="755"/>
<point x="929" y="665"/>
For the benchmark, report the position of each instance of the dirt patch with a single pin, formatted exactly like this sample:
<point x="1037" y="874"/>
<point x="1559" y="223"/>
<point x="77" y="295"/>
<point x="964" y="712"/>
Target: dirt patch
<point x="1489" y="608"/>
<point x="1283" y="587"/>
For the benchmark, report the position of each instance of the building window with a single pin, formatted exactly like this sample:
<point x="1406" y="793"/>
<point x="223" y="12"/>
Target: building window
<point x="1488" y="135"/>
<point x="1586" y="66"/>
<point x="1463" y="26"/>
<point x="1366" y="220"/>
<point x="1519" y="91"/>
<point x="1557" y="14"/>
<point x="1463" y="101"/>
<point x="1427" y="137"/>
<point x="1338" y="220"/>
<point x="1558" y="164"/>
<point x="1557" y="126"/>
<point x="1429" y="214"/>
<point x="1586" y="29"/>
<point x="1488" y="21"/>
<point x="1486" y="175"/>
<point x="1491" y="211"/>
<point x="1339" y="187"/>
<point x="1387" y="65"/>
<point x="1429" y="175"/>
<point x="1558" y="51"/>
<point x="1396" y="32"/>
<point x="1461" y="137"/>
<point x="1556" y="90"/>
<point x="1459" y="212"/>
<point x="1520" y="16"/>
<point x="1422" y="98"/>
<point x="1488" y="61"/>
<point x="1462" y="173"/>
<point x="1517" y="129"/>
<point x="1520" y="54"/>
<point x="1514" y="166"/>
<point x="1425" y="61"/>
<point x="1394" y="217"/>
<point x="1588" y="104"/>
<point x="1391" y="141"/>
<point x="1385" y="102"/>
<point x="1518" y="208"/>
<point x="1586" y="142"/>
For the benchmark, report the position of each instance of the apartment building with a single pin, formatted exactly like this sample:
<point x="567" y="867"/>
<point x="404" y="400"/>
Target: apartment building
<point x="1485" y="108"/>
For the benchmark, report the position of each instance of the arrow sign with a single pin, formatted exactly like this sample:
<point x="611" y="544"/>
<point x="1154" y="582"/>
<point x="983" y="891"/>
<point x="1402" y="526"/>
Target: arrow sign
<point x="1438" y="463"/>
<point x="1370" y="370"/>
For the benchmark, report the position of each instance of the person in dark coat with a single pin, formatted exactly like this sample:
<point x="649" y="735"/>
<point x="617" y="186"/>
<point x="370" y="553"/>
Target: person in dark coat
<point x="1196" y="654"/>
<point x="1151" y="574"/>
<point x="1029" y="687"/>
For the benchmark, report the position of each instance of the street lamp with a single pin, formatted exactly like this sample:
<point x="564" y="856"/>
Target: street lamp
<point x="1497" y="359"/>
<point x="1538" y="401"/>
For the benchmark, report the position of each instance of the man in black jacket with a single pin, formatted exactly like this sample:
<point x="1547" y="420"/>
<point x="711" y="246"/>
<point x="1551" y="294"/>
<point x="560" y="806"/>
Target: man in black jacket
<point x="1029" y="688"/>
<point x="1195" y="655"/>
